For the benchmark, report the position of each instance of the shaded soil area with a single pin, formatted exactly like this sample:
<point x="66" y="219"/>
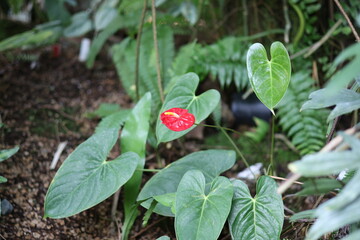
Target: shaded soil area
<point x="40" y="107"/>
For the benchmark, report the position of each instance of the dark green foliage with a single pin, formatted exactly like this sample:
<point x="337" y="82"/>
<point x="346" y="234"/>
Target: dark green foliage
<point x="306" y="129"/>
<point x="224" y="60"/>
<point x="124" y="59"/>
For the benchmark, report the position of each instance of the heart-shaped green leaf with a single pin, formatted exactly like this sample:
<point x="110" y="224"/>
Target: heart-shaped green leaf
<point x="269" y="79"/>
<point x="259" y="218"/>
<point x="211" y="162"/>
<point x="182" y="95"/>
<point x="201" y="215"/>
<point x="86" y="178"/>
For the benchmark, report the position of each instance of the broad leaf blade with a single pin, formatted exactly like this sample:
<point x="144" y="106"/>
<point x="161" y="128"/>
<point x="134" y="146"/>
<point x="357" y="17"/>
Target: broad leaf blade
<point x="133" y="139"/>
<point x="322" y="164"/>
<point x="257" y="218"/>
<point x="346" y="101"/>
<point x="269" y="79"/>
<point x="86" y="178"/>
<point x="339" y="211"/>
<point x="211" y="162"/>
<point x="319" y="186"/>
<point x="182" y="95"/>
<point x="200" y="215"/>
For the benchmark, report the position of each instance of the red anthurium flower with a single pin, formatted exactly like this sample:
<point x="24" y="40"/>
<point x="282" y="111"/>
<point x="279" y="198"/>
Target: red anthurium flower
<point x="177" y="119"/>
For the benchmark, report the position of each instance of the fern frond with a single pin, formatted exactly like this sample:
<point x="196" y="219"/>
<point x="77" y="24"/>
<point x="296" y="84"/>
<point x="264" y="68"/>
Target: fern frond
<point x="124" y="59"/>
<point x="306" y="129"/>
<point x="224" y="60"/>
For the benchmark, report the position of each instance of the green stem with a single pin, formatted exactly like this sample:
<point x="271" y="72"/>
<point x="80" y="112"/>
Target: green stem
<point x="272" y="145"/>
<point x="138" y="41"/>
<point x="223" y="130"/>
<point x="218" y="127"/>
<point x="301" y="27"/>
<point x="156" y="47"/>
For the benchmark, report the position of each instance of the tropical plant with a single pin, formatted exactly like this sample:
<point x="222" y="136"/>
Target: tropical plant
<point x="339" y="211"/>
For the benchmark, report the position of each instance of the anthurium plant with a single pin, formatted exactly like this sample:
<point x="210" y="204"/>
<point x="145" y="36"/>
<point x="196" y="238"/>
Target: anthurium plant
<point x="190" y="189"/>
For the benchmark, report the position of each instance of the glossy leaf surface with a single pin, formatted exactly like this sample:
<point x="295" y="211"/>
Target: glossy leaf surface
<point x="211" y="162"/>
<point x="269" y="78"/>
<point x="259" y="218"/>
<point x="201" y="215"/>
<point x="86" y="178"/>
<point x="182" y="95"/>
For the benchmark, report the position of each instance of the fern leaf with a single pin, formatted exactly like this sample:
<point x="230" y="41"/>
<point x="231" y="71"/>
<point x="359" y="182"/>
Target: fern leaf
<point x="306" y="129"/>
<point x="225" y="61"/>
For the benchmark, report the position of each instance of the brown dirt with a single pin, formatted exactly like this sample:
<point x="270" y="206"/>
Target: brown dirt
<point x="40" y="108"/>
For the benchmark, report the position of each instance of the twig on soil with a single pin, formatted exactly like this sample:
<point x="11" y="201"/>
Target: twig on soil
<point x="57" y="154"/>
<point x="327" y="148"/>
<point x="348" y="20"/>
<point x="148" y="227"/>
<point x="285" y="179"/>
<point x="2" y="237"/>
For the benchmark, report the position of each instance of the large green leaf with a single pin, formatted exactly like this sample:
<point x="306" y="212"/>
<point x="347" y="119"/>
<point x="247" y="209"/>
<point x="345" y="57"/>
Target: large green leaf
<point x="349" y="72"/>
<point x="353" y="235"/>
<point x="80" y="24"/>
<point x="86" y="178"/>
<point x="114" y="120"/>
<point x="104" y="16"/>
<point x="258" y="218"/>
<point x="124" y="57"/>
<point x="322" y="164"/>
<point x="201" y="214"/>
<point x="269" y="78"/>
<point x="346" y="101"/>
<point x="319" y="186"/>
<point x="133" y="139"/>
<point x="211" y="162"/>
<point x="7" y="153"/>
<point x="100" y="39"/>
<point x="339" y="211"/>
<point x="182" y="95"/>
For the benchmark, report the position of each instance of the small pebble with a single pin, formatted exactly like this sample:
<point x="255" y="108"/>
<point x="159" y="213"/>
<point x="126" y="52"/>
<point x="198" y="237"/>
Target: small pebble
<point x="6" y="207"/>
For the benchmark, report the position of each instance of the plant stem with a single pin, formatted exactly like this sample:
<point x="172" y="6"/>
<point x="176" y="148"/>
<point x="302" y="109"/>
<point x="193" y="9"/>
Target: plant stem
<point x="223" y="130"/>
<point x="272" y="146"/>
<point x="218" y="127"/>
<point x="237" y="149"/>
<point x="156" y="47"/>
<point x="138" y="44"/>
<point x="287" y="22"/>
<point x="348" y="20"/>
